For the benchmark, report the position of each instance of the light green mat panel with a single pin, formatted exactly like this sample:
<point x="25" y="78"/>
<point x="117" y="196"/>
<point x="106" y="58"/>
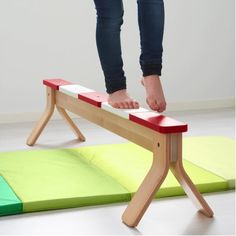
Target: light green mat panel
<point x="65" y="178"/>
<point x="215" y="154"/>
<point x="59" y="178"/>
<point x="128" y="164"/>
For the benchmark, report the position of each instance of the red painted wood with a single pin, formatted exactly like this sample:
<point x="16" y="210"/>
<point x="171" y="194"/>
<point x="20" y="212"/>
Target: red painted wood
<point x="158" y="122"/>
<point x="94" y="98"/>
<point x="55" y="83"/>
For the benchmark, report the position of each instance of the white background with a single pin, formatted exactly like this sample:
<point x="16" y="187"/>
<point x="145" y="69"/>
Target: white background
<point x="56" y="38"/>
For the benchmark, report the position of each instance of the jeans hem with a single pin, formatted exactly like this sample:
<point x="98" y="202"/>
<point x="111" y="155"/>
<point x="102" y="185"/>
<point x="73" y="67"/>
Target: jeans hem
<point x="113" y="89"/>
<point x="151" y="69"/>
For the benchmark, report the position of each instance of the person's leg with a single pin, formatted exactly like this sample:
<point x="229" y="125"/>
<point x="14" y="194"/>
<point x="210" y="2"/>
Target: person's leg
<point x="109" y="21"/>
<point x="151" y="27"/>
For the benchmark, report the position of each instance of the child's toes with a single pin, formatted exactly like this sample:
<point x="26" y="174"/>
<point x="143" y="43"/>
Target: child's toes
<point x="152" y="104"/>
<point x="127" y="105"/>
<point x="115" y="104"/>
<point x="162" y="106"/>
<point x="135" y="105"/>
<point x="122" y="105"/>
<point x="130" y="105"/>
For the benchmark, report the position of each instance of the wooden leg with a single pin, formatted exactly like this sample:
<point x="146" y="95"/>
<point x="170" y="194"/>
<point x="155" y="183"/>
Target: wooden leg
<point x="44" y="118"/>
<point x="177" y="169"/>
<point x="72" y="125"/>
<point x="151" y="183"/>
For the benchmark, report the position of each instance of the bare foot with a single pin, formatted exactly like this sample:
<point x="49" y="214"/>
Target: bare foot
<point x="155" y="96"/>
<point x="121" y="99"/>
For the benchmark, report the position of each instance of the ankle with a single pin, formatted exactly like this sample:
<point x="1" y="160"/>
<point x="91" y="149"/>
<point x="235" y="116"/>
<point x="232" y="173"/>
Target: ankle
<point x="151" y="77"/>
<point x="120" y="91"/>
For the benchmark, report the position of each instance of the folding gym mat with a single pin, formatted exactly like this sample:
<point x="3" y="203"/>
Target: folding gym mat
<point x="37" y="180"/>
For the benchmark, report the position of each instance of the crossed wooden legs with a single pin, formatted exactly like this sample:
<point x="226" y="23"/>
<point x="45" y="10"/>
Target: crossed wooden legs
<point x="177" y="169"/>
<point x="47" y="115"/>
<point x="167" y="154"/>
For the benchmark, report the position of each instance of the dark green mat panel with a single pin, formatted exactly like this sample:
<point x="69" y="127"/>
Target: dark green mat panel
<point x="9" y="202"/>
<point x="102" y="174"/>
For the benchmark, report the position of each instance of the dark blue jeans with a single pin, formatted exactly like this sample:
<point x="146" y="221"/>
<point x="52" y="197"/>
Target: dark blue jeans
<point x="151" y="26"/>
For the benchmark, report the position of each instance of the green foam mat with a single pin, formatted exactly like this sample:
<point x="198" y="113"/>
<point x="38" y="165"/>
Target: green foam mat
<point x="129" y="163"/>
<point x="57" y="178"/>
<point x="215" y="154"/>
<point x="9" y="202"/>
<point x="101" y="174"/>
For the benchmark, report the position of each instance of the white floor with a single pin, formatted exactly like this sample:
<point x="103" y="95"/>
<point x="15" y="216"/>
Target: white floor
<point x="164" y="216"/>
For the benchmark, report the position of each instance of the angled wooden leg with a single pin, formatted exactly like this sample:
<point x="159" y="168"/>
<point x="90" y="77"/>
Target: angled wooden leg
<point x="177" y="169"/>
<point x="44" y="118"/>
<point x="72" y="125"/>
<point x="151" y="183"/>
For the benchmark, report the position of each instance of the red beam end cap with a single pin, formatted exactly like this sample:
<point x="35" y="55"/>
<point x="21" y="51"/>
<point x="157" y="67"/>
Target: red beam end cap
<point x="160" y="123"/>
<point x="55" y="83"/>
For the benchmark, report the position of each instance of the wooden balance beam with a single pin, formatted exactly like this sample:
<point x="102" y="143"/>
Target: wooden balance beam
<point x="157" y="133"/>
